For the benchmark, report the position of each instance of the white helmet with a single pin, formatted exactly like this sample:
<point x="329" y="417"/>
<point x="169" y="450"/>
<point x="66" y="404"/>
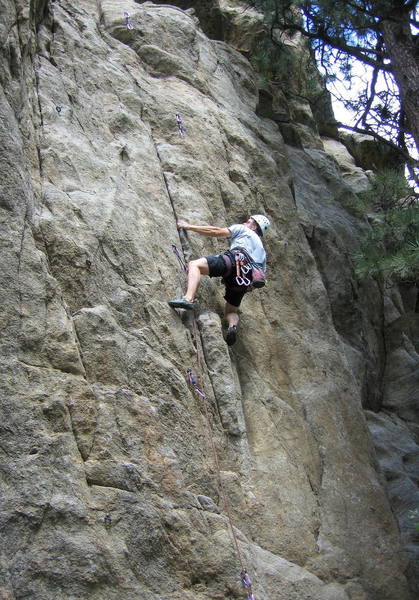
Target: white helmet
<point x="262" y="221"/>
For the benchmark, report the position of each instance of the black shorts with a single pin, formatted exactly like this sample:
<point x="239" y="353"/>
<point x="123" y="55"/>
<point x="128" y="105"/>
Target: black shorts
<point x="217" y="267"/>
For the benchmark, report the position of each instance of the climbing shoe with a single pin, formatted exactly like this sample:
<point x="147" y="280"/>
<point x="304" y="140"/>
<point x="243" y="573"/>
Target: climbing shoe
<point x="181" y="303"/>
<point x="231" y="335"/>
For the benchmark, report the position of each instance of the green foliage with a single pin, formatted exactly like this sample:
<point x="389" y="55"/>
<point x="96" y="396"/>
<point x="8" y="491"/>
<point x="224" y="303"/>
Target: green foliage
<point x="391" y="245"/>
<point x="286" y="65"/>
<point x="268" y="59"/>
<point x="354" y="203"/>
<point x="388" y="189"/>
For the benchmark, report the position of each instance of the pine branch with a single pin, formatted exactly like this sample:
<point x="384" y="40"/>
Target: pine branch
<point x="368" y="131"/>
<point x="359" y="52"/>
<point x="363" y="118"/>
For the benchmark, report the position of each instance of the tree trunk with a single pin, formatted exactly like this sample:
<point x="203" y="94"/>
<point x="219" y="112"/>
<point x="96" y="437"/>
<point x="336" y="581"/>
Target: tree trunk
<point x="400" y="46"/>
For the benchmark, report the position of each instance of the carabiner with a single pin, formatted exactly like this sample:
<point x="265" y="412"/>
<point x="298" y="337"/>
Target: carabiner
<point x="128" y="22"/>
<point x="242" y="281"/>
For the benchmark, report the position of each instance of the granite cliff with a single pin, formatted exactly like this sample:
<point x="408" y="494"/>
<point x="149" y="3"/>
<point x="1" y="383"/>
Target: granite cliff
<point x="109" y="483"/>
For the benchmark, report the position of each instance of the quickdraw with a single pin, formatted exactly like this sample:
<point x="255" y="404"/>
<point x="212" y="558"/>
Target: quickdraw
<point x="180" y="124"/>
<point x="183" y="265"/>
<point x="128" y="22"/>
<point x="241" y="270"/>
<point x="244" y="575"/>
<point x="191" y="377"/>
<point x="247" y="582"/>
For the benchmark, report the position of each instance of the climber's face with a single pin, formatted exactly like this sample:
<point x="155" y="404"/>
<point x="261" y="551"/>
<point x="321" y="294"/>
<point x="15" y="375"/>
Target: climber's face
<point x="250" y="223"/>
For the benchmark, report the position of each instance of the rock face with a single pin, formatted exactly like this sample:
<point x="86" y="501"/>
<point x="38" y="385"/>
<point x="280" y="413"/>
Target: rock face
<point x="116" y="478"/>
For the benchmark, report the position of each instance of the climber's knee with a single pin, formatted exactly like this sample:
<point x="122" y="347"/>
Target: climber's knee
<point x="201" y="264"/>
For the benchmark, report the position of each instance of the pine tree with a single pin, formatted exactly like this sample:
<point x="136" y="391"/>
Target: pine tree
<point x="390" y="247"/>
<point x="378" y="33"/>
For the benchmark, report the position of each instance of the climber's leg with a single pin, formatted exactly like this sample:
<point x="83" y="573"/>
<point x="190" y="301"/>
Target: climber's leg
<point x="232" y="317"/>
<point x="197" y="268"/>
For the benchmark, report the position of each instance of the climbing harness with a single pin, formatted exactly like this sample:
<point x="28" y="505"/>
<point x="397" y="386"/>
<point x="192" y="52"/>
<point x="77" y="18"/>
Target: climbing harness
<point x="182" y="263"/>
<point x="128" y="21"/>
<point x="180" y="125"/>
<point x="244" y="266"/>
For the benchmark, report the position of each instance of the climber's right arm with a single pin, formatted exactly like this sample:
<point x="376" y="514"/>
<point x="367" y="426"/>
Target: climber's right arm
<point x="207" y="230"/>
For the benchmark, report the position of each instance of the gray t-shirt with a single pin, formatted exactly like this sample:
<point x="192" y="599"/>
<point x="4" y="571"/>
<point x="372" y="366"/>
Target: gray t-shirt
<point x="243" y="237"/>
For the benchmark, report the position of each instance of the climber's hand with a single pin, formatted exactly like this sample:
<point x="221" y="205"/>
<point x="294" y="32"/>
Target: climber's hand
<point x="182" y="224"/>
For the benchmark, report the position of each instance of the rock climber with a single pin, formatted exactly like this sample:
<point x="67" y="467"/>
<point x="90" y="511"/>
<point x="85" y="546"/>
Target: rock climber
<point x="246" y="236"/>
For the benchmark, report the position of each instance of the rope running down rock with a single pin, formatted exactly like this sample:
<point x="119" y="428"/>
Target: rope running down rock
<point x="196" y="384"/>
